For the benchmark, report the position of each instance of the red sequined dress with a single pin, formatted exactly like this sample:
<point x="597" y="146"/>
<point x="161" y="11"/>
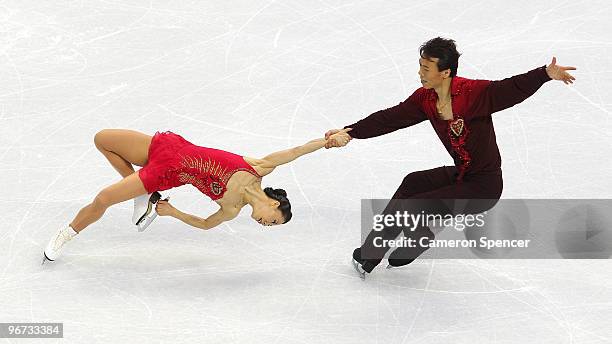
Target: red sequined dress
<point x="174" y="161"/>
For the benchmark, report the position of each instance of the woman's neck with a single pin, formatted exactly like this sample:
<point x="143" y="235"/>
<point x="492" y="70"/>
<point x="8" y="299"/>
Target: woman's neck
<point x="253" y="193"/>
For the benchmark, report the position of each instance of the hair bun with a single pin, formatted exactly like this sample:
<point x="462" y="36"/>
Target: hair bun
<point x="281" y="196"/>
<point x="276" y="192"/>
<point x="280" y="192"/>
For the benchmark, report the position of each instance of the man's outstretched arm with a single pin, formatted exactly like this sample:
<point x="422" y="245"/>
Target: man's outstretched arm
<point x="502" y="94"/>
<point x="402" y="115"/>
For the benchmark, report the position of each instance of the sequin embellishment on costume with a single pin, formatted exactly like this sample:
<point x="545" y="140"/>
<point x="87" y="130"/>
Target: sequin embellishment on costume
<point x="457" y="127"/>
<point x="458" y="133"/>
<point x="204" y="174"/>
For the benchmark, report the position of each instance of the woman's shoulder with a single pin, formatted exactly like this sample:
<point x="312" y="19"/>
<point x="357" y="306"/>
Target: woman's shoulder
<point x="252" y="161"/>
<point x="258" y="165"/>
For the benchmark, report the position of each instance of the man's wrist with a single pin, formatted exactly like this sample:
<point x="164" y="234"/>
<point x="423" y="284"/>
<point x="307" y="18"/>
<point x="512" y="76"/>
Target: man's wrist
<point x="349" y="133"/>
<point x="547" y="76"/>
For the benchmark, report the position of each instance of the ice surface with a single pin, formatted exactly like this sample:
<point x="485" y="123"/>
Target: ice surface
<point x="256" y="77"/>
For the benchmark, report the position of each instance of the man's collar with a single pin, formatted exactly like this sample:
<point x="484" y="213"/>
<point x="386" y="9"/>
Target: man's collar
<point x="455" y="86"/>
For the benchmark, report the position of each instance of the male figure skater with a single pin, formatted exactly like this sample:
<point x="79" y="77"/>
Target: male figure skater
<point x="459" y="111"/>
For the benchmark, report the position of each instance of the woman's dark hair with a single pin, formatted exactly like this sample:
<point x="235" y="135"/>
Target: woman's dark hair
<point x="281" y="196"/>
<point x="443" y="49"/>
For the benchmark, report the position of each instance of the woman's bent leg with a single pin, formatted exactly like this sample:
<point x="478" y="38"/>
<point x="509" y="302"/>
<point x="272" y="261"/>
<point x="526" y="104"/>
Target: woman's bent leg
<point x="123" y="148"/>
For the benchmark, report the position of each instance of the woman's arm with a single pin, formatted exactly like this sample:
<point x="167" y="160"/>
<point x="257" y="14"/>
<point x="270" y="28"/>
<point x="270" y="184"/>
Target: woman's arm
<point x="279" y="158"/>
<point x="163" y="208"/>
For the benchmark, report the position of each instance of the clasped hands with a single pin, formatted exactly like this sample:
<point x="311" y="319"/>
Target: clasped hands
<point x="337" y="138"/>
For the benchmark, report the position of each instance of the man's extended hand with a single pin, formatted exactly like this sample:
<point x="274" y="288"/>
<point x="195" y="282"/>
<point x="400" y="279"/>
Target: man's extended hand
<point x="331" y="132"/>
<point x="557" y="72"/>
<point x="337" y="137"/>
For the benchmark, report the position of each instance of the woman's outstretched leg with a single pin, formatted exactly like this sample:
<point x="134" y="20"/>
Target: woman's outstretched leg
<point x="128" y="188"/>
<point x="123" y="148"/>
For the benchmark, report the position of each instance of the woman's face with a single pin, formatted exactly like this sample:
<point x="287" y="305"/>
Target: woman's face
<point x="268" y="215"/>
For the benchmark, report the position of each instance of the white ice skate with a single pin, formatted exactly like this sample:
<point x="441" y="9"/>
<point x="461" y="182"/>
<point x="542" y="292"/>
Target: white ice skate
<point x="144" y="212"/>
<point x="358" y="268"/>
<point x="52" y="250"/>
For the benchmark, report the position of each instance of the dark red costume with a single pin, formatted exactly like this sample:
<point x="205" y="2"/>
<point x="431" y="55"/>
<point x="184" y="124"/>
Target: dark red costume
<point x="469" y="138"/>
<point x="174" y="161"/>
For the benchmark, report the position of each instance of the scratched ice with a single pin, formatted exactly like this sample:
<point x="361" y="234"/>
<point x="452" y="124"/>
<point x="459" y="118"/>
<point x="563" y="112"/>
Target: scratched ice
<point x="257" y="77"/>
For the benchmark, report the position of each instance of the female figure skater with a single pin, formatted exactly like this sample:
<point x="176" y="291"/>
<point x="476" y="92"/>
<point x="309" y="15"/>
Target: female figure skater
<point x="168" y="161"/>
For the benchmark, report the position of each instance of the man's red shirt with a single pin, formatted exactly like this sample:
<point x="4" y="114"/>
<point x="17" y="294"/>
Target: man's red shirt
<point x="469" y="137"/>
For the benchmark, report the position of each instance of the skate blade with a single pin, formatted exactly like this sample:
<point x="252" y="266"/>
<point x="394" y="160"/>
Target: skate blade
<point x="144" y="216"/>
<point x="356" y="266"/>
<point x="152" y="200"/>
<point x="45" y="259"/>
<point x="147" y="222"/>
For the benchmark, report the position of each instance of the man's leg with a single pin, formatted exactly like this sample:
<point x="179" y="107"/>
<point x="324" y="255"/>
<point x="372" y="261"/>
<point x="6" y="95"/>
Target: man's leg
<point x="443" y="202"/>
<point x="414" y="183"/>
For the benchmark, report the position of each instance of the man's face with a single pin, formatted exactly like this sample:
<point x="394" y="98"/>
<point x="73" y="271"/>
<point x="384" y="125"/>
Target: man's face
<point x="430" y="76"/>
